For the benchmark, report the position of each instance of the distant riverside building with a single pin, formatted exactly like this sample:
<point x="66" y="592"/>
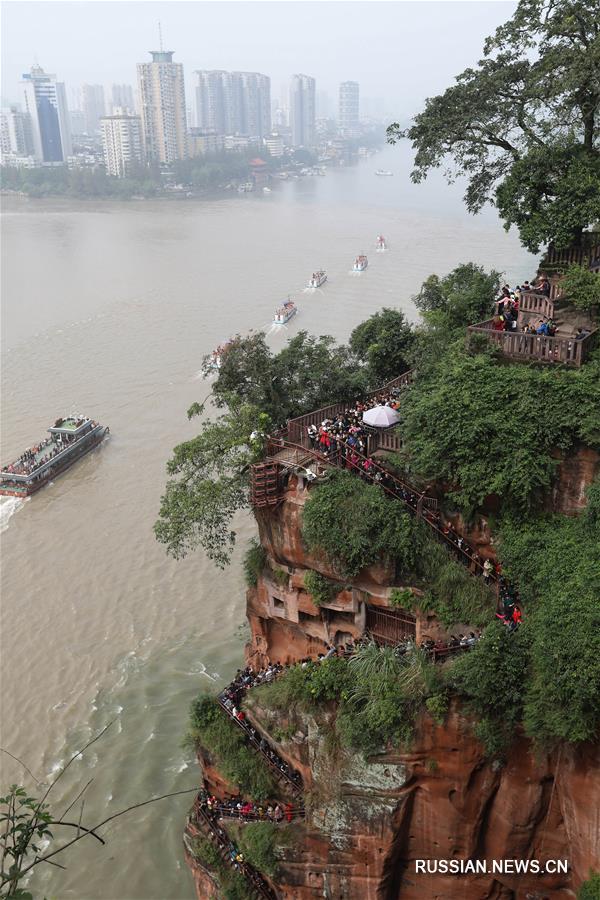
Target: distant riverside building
<point x="214" y="101"/>
<point x="204" y="141"/>
<point x="77" y="120"/>
<point x="122" y="142"/>
<point x="16" y="131"/>
<point x="302" y="110"/>
<point x="92" y="98"/>
<point x="348" y="114"/>
<point x="121" y="97"/>
<point x="274" y="144"/>
<point x="162" y="107"/>
<point x="46" y="104"/>
<point x="234" y="102"/>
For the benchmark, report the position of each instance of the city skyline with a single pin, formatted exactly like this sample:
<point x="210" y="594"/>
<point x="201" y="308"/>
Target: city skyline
<point x="236" y="37"/>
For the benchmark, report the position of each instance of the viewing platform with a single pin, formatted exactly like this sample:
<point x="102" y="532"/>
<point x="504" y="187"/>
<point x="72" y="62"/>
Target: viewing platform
<point x="566" y="346"/>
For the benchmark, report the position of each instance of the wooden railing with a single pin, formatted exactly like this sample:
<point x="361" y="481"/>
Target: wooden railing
<point x="581" y="255"/>
<point x="539" y="304"/>
<point x="538" y="347"/>
<point x="296" y="428"/>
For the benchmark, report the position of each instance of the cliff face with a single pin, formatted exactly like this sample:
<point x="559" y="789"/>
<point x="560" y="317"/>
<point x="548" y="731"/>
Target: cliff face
<point x="442" y="800"/>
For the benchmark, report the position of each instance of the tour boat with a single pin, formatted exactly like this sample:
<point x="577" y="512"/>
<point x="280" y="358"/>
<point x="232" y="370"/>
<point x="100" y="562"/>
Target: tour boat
<point x="385" y="172"/>
<point x="360" y="263"/>
<point x="216" y="357"/>
<point x="381" y="245"/>
<point x="318" y="278"/>
<point x="285" y="312"/>
<point x="70" y="438"/>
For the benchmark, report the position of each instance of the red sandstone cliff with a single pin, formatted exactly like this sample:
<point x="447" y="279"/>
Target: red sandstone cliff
<point x="367" y="823"/>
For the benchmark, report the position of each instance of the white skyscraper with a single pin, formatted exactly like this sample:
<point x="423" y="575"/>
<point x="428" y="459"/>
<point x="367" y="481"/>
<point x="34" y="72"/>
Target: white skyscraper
<point x="46" y="103"/>
<point x="16" y="132"/>
<point x="162" y="102"/>
<point x="92" y="96"/>
<point x="302" y="110"/>
<point x="121" y="142"/>
<point x="348" y="116"/>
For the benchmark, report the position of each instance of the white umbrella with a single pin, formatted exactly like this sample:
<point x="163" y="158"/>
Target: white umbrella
<point x="381" y="416"/>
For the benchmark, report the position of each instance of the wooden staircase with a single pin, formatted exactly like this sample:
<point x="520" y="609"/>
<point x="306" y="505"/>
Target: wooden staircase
<point x="266" y="484"/>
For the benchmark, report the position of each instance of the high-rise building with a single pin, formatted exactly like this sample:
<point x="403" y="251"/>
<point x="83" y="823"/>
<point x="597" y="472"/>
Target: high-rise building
<point x="162" y="105"/>
<point x="234" y="102"/>
<point x="121" y="142"/>
<point x="348" y="117"/>
<point x="46" y="103"/>
<point x="121" y="97"/>
<point x="92" y="96"/>
<point x="16" y="131"/>
<point x="302" y="110"/>
<point x="274" y="144"/>
<point x="214" y="101"/>
<point x="252" y="103"/>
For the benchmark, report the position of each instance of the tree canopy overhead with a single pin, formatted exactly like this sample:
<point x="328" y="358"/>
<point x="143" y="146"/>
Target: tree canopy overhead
<point x="523" y="125"/>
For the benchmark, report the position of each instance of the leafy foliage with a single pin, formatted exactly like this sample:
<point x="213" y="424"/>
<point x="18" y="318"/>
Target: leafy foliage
<point x="308" y="373"/>
<point x="522" y="125"/>
<point x="61" y="181"/>
<point x="488" y="428"/>
<point x="463" y="297"/>
<point x="377" y="692"/>
<point x="211" y="728"/>
<point x="582" y="287"/>
<point x="590" y="889"/>
<point x="452" y="592"/>
<point x="492" y="677"/>
<point x="233" y="883"/>
<point x="255" y="560"/>
<point x="556" y="560"/>
<point x="258" y="842"/>
<point x="353" y="523"/>
<point x="383" y="341"/>
<point x="212" y="469"/>
<point x="321" y="589"/>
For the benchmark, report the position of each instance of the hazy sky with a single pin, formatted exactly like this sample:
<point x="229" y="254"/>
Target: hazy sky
<point x="399" y="51"/>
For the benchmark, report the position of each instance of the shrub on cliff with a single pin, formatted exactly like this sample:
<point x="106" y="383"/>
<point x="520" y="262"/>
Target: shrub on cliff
<point x="259" y="842"/>
<point x="355" y="524"/>
<point x="556" y="561"/>
<point x="254" y="562"/>
<point x="321" y="589"/>
<point x="493" y="678"/>
<point x="590" y="889"/>
<point x="212" y="729"/>
<point x="487" y="428"/>
<point x="455" y="595"/>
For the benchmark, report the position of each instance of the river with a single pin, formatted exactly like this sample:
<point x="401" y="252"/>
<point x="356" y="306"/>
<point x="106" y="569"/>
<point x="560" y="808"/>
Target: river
<point x="108" y="309"/>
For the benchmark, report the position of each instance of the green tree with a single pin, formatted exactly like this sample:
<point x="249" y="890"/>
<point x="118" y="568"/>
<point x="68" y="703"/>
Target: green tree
<point x="212" y="483"/>
<point x="464" y="296"/>
<point x="582" y="287"/>
<point x="383" y="341"/>
<point x="522" y="125"/>
<point x="309" y="372"/>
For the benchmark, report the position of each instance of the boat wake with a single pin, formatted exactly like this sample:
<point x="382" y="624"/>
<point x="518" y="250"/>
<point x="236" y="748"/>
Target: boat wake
<point x="8" y="507"/>
<point x="275" y="329"/>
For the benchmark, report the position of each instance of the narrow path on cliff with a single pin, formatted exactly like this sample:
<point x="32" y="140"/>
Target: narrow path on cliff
<point x="208" y="810"/>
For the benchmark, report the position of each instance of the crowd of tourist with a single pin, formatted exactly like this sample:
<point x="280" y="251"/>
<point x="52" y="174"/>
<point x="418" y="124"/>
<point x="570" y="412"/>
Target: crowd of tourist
<point x="35" y="457"/>
<point x="348" y="428"/>
<point x="247" y="810"/>
<point x="230" y="852"/>
<point x="230" y="699"/>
